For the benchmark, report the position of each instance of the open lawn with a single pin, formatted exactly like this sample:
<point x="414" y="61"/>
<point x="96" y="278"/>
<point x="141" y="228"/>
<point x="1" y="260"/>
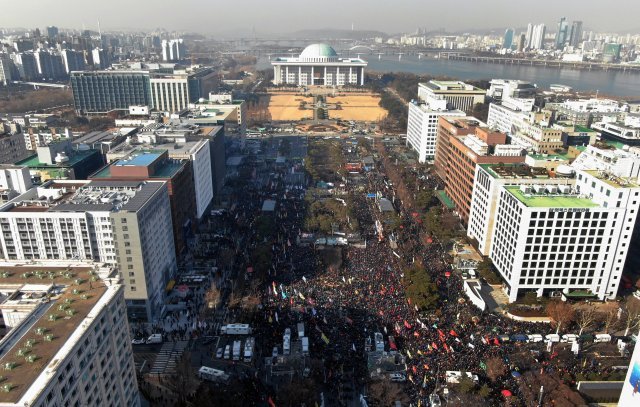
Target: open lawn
<point x="286" y="107"/>
<point x="357" y="107"/>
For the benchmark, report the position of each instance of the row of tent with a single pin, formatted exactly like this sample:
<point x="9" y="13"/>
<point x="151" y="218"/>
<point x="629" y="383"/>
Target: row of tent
<point x="554" y="338"/>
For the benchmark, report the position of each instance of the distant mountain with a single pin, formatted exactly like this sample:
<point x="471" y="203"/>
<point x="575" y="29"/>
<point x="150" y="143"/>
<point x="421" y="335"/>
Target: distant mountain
<point x="330" y="33"/>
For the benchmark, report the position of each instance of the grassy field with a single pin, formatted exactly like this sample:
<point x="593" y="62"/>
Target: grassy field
<point x="357" y="107"/>
<point x="286" y="107"/>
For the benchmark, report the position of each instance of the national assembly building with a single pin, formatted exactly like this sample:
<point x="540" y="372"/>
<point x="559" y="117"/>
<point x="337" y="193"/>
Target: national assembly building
<point x="318" y="65"/>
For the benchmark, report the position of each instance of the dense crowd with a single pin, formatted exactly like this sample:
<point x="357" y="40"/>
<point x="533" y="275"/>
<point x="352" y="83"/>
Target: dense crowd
<point x="344" y="295"/>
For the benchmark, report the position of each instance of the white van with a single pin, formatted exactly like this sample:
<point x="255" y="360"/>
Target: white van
<point x="397" y="377"/>
<point x="568" y="338"/>
<point x="553" y="338"/>
<point x="154" y="338"/>
<point x="535" y="338"/>
<point x="601" y="338"/>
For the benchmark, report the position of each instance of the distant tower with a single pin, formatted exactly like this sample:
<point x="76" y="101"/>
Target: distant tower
<point x="352" y="26"/>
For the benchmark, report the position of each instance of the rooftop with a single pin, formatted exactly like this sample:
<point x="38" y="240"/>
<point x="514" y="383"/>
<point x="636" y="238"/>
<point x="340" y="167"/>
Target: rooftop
<point x="612" y="180"/>
<point x="75" y="158"/>
<point x="98" y="195"/>
<point x="550" y="201"/>
<point x="514" y="171"/>
<point x="141" y="158"/>
<point x="28" y="350"/>
<point x="451" y="86"/>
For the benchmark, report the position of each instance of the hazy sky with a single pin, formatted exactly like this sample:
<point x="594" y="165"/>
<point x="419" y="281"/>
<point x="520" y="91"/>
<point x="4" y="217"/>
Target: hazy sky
<point x="283" y="16"/>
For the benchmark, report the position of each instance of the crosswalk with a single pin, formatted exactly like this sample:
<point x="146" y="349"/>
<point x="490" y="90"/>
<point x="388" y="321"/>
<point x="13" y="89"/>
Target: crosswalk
<point x="168" y="356"/>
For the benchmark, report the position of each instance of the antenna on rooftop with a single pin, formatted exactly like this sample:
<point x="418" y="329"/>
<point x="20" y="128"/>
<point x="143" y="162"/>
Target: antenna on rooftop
<point x="99" y="30"/>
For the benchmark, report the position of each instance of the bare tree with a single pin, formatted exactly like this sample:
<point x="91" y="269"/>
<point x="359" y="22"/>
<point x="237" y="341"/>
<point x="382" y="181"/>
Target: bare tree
<point x="561" y="313"/>
<point x="610" y="320"/>
<point x="631" y="314"/>
<point x="586" y="317"/>
<point x="495" y="368"/>
<point x="385" y="393"/>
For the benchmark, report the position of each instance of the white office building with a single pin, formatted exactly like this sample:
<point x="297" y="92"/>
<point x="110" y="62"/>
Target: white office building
<point x="318" y="64"/>
<point x="459" y="95"/>
<point x="619" y="162"/>
<point x="422" y="125"/>
<point x="70" y="346"/>
<point x="565" y="238"/>
<point x="502" y="117"/>
<point x="488" y="180"/>
<point x="122" y="223"/>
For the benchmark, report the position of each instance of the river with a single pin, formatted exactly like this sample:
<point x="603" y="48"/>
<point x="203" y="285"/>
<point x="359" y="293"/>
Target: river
<point x="607" y="83"/>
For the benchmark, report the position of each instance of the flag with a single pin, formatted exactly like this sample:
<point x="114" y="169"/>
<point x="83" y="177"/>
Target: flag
<point x="349" y="320"/>
<point x="324" y="319"/>
<point x="324" y="338"/>
<point x="406" y="324"/>
<point x="483" y="366"/>
<point x="408" y="353"/>
<point x="277" y="317"/>
<point x="313" y="311"/>
<point x="304" y="279"/>
<point x="271" y="403"/>
<point x="385" y="330"/>
<point x="353" y="346"/>
<point x="300" y="295"/>
<point x="270" y="319"/>
<point x="452" y="332"/>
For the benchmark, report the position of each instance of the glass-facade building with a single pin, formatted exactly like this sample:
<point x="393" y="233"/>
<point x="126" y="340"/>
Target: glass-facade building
<point x="105" y="91"/>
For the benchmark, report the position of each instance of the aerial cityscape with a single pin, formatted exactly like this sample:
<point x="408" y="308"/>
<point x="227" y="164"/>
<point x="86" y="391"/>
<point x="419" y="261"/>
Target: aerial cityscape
<point x="425" y="205"/>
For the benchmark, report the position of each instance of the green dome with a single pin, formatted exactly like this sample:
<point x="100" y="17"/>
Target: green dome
<point x="319" y="51"/>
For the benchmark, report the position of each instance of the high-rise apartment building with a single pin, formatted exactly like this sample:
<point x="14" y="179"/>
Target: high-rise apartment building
<point x="6" y="69"/>
<point x="69" y="341"/>
<point x="52" y="31"/>
<point x="173" y="50"/>
<point x="576" y="34"/>
<point x="126" y="224"/>
<point x="101" y="58"/>
<point x="538" y="34"/>
<point x="73" y="60"/>
<point x="25" y="62"/>
<point x="50" y="65"/>
<point x="508" y="40"/>
<point x="563" y="34"/>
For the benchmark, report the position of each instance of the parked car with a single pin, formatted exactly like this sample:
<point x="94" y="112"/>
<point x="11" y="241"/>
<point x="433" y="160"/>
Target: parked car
<point x="219" y="353"/>
<point x="138" y="341"/>
<point x="397" y="377"/>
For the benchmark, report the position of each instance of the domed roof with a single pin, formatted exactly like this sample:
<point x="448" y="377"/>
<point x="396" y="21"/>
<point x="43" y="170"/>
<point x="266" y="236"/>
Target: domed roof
<point x="319" y="51"/>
